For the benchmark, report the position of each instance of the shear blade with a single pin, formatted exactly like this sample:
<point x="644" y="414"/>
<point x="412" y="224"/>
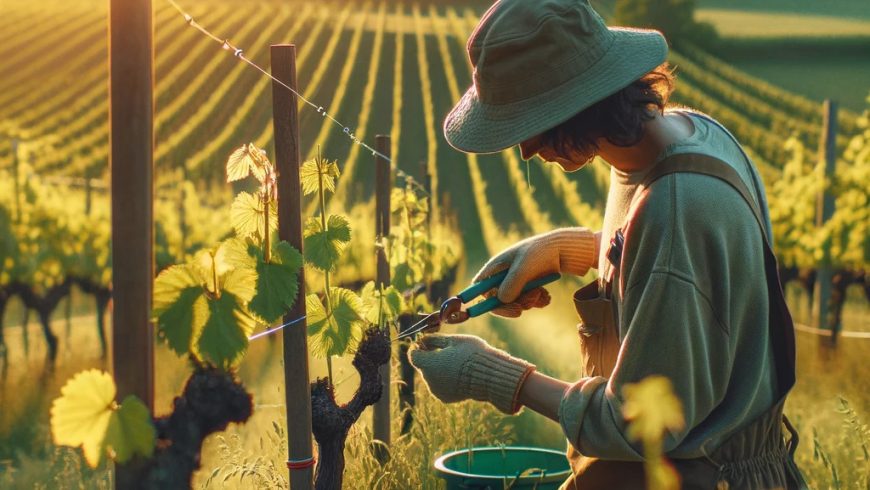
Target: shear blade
<point x="422" y="325"/>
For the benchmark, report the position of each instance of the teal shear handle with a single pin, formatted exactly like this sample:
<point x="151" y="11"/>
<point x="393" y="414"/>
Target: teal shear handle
<point x="491" y="282"/>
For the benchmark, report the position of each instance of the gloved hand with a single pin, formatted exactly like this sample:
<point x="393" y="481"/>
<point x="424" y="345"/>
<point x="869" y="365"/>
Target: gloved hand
<point x="566" y="250"/>
<point x="462" y="367"/>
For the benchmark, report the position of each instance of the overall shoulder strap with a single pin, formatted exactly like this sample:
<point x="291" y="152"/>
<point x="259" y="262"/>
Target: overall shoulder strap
<point x="707" y="165"/>
<point x="780" y="321"/>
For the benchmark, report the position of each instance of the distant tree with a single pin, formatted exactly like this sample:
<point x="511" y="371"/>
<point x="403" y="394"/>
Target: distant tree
<point x="675" y="18"/>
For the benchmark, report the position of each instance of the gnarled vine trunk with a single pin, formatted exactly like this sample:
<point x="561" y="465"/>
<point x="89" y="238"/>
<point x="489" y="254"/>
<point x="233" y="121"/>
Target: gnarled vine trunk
<point x="331" y="422"/>
<point x="211" y="400"/>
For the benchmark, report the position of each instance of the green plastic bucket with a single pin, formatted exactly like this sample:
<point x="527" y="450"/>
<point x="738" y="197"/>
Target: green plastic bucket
<point x="498" y="468"/>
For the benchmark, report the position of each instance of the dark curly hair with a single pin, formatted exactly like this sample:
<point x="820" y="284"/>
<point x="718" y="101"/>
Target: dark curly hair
<point x="619" y="117"/>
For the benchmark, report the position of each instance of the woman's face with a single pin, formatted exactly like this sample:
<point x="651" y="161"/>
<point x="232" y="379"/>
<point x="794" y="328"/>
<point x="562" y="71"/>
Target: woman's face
<point x="569" y="163"/>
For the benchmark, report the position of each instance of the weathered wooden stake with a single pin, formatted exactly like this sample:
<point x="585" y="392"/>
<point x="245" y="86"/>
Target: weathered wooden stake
<point x="88" y="191"/>
<point x="824" y="211"/>
<point x="287" y="161"/>
<point x="15" y="176"/>
<point x="182" y="209"/>
<point x="383" y="187"/>
<point x="131" y="163"/>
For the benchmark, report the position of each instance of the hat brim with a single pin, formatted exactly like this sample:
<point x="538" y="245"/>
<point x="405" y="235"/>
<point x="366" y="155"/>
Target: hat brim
<point x="475" y="127"/>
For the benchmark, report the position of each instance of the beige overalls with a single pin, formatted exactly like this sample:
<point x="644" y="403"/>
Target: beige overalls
<point x="757" y="456"/>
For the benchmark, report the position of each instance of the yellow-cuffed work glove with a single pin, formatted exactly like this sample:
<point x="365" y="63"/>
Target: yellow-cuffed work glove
<point x="566" y="250"/>
<point x="462" y="367"/>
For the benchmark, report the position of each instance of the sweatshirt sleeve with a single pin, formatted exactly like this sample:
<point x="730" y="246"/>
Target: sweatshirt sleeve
<point x="667" y="327"/>
<point x="673" y="333"/>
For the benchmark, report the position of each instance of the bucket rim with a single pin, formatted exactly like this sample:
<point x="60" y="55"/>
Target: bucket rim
<point x="442" y="468"/>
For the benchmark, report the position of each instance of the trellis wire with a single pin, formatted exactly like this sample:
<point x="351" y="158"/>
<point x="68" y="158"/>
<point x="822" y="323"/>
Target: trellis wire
<point x="239" y="53"/>
<point x="276" y="329"/>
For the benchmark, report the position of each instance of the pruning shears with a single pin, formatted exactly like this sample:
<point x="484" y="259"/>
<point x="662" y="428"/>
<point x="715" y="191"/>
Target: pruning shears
<point x="452" y="311"/>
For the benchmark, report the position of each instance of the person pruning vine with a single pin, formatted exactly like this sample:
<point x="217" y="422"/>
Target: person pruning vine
<point x="687" y="285"/>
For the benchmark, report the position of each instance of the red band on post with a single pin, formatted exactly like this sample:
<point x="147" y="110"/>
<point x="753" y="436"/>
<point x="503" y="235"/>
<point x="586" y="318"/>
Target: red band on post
<point x="300" y="464"/>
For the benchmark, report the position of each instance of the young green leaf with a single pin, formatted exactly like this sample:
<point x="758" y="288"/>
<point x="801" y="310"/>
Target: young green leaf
<point x="209" y="265"/>
<point x="238" y="253"/>
<point x="246" y="214"/>
<point x="241" y="283"/>
<point x="246" y="160"/>
<point x="402" y="277"/>
<point x="130" y="431"/>
<point x="338" y="333"/>
<point x="80" y="416"/>
<point x="213" y="326"/>
<point x="183" y="320"/>
<point x="311" y="172"/>
<point x="380" y="306"/>
<point x="324" y="247"/>
<point x="169" y="284"/>
<point x="179" y="306"/>
<point x="276" y="282"/>
<point x="224" y="336"/>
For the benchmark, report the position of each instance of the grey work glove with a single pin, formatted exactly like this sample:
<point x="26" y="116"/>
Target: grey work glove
<point x="462" y="367"/>
<point x="566" y="250"/>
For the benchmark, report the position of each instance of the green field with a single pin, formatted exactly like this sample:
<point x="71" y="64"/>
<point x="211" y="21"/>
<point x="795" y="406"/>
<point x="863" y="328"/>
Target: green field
<point x="844" y="9"/>
<point x="380" y="68"/>
<point x="763" y="24"/>
<point x="818" y="49"/>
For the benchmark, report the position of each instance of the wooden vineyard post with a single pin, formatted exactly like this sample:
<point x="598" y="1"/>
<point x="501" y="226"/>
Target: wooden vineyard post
<point x="15" y="172"/>
<point x="287" y="161"/>
<point x="824" y="211"/>
<point x="131" y="163"/>
<point x="383" y="187"/>
<point x="88" y="190"/>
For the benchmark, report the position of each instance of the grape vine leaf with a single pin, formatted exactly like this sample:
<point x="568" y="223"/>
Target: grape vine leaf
<point x="178" y="306"/>
<point x="339" y="332"/>
<point x="246" y="214"/>
<point x="241" y="283"/>
<point x="238" y="253"/>
<point x="130" y="431"/>
<point x="224" y="336"/>
<point x="210" y="265"/>
<point x="246" y="160"/>
<point x="86" y="415"/>
<point x="212" y="325"/>
<point x="180" y="320"/>
<point x="651" y="407"/>
<point x="402" y="277"/>
<point x="381" y="305"/>
<point x="276" y="282"/>
<point x="80" y="416"/>
<point x="311" y="172"/>
<point x="324" y="247"/>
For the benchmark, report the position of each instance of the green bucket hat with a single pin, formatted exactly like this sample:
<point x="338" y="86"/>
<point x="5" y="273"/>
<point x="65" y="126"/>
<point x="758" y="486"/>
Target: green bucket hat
<point x="537" y="63"/>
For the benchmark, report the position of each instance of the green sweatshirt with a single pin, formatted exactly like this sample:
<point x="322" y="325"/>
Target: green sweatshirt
<point x="694" y="307"/>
